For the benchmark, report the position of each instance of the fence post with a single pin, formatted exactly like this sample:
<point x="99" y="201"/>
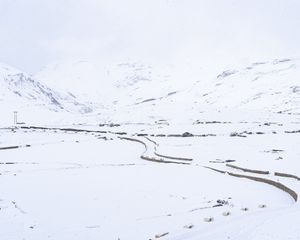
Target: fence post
<point x="15" y="117"/>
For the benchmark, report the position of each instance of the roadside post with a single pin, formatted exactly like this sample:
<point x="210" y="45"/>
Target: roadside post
<point x="15" y="117"/>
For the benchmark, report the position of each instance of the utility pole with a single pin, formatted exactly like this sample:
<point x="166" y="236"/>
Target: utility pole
<point x="15" y="117"/>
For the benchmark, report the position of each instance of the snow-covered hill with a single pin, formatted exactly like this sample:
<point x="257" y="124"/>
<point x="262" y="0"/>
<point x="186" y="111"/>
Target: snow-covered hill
<point x="266" y="86"/>
<point x="20" y="92"/>
<point x="132" y="91"/>
<point x="119" y="83"/>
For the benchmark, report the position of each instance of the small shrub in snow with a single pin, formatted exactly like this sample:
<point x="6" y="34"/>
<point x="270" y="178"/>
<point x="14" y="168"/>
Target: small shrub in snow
<point x="189" y="226"/>
<point x="209" y="219"/>
<point x="262" y="206"/>
<point x="225" y="214"/>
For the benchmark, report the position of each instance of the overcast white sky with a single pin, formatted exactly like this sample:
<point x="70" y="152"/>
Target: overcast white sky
<point x="37" y="32"/>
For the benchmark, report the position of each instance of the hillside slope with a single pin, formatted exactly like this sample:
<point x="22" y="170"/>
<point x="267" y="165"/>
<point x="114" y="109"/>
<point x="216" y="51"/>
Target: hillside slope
<point x="127" y="82"/>
<point x="268" y="86"/>
<point x="136" y="92"/>
<point x="20" y="92"/>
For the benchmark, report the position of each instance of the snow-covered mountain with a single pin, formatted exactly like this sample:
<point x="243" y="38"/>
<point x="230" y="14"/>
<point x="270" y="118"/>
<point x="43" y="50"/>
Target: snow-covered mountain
<point x="134" y="91"/>
<point x="17" y="86"/>
<point x="20" y="92"/>
<point x="121" y="83"/>
<point x="131" y="90"/>
<point x="271" y="86"/>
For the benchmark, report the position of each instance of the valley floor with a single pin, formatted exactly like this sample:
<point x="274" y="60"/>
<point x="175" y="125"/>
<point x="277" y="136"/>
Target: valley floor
<point x="67" y="184"/>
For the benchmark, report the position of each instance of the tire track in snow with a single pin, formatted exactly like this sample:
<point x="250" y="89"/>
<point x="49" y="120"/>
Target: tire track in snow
<point x="150" y="153"/>
<point x="278" y="185"/>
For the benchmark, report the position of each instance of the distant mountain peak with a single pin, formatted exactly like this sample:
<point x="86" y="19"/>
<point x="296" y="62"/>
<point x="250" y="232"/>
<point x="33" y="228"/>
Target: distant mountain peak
<point x="17" y="86"/>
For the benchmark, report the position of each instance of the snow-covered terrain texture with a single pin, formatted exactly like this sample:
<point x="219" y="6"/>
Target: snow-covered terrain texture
<point x="20" y="92"/>
<point x="128" y="82"/>
<point x="261" y="87"/>
<point x="265" y="86"/>
<point x="209" y="158"/>
<point x="178" y="92"/>
<point x="75" y="184"/>
<point x="67" y="184"/>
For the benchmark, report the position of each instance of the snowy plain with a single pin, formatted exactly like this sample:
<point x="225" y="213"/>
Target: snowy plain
<point x="159" y="163"/>
<point x="91" y="185"/>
